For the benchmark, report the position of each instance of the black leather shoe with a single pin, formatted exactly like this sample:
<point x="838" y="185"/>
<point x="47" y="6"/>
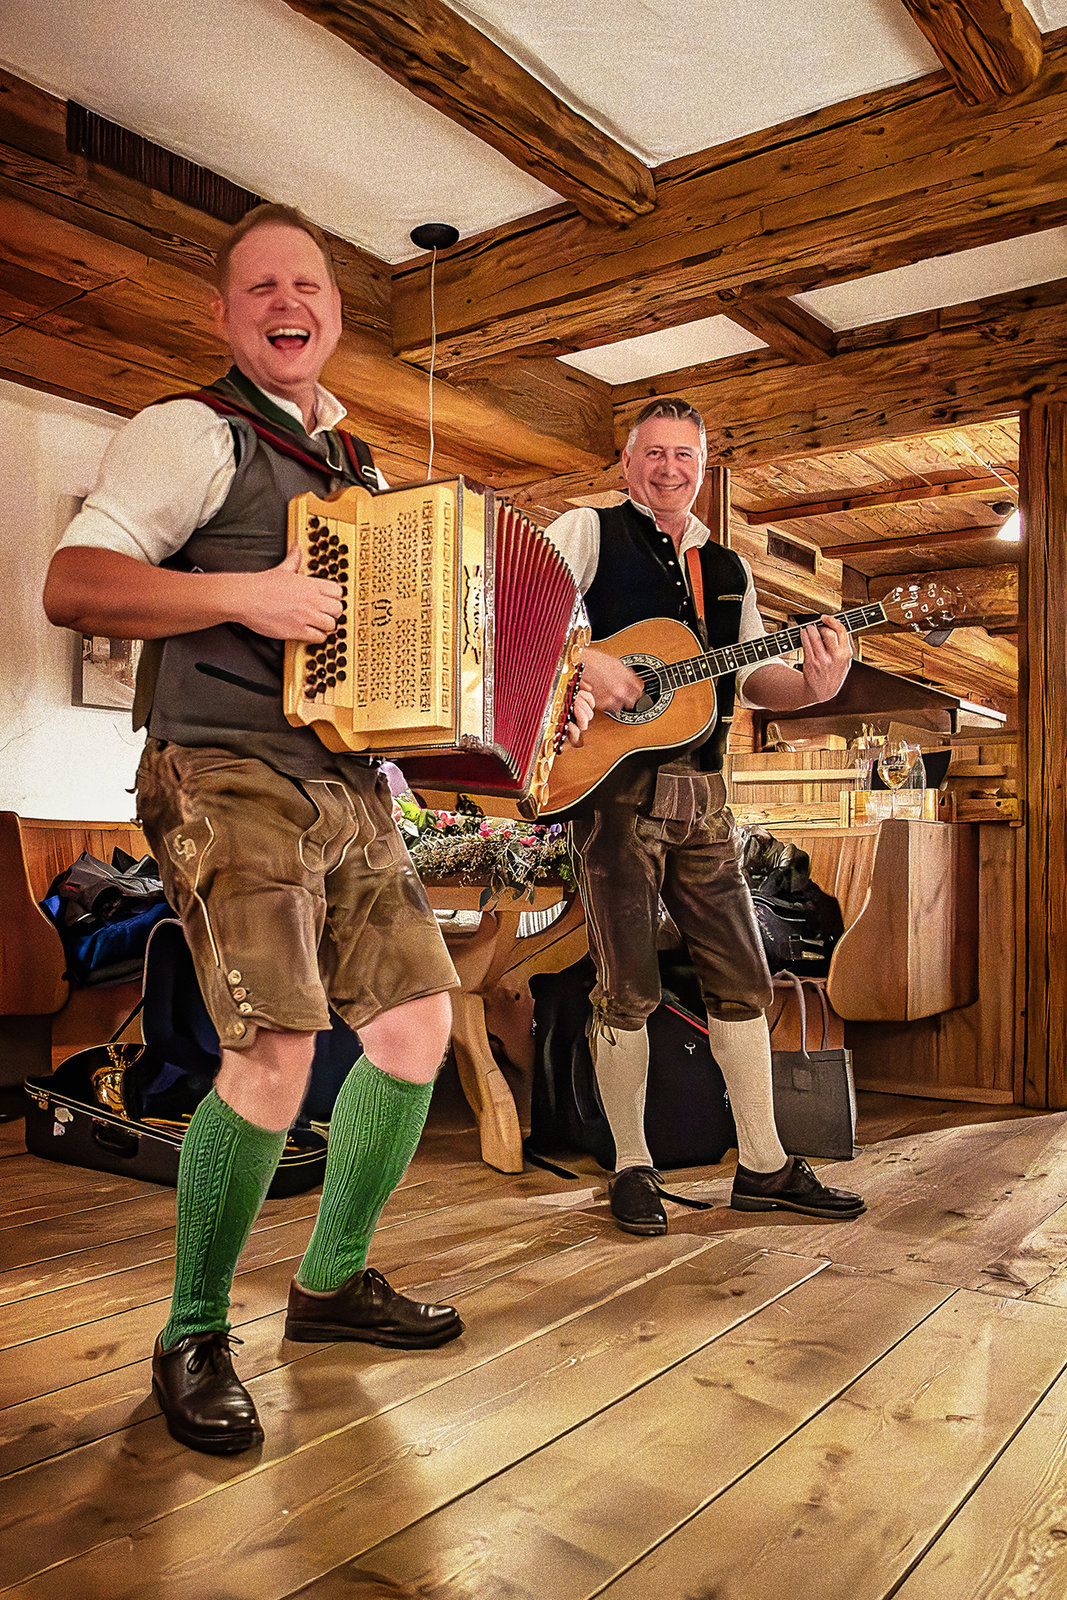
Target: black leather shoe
<point x="366" y="1308"/>
<point x="635" y="1202"/>
<point x="204" y="1403"/>
<point x="794" y="1188"/>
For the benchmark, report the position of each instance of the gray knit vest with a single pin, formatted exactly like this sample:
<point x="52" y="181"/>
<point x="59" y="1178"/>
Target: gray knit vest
<point x="222" y="686"/>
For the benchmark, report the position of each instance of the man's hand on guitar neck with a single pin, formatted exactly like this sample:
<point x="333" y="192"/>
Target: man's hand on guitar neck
<point x="827" y="658"/>
<point x="613" y="685"/>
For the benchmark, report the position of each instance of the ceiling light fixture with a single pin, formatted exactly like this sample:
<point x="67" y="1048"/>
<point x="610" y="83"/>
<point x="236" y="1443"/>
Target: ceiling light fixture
<point x="1012" y="530"/>
<point x="433" y="236"/>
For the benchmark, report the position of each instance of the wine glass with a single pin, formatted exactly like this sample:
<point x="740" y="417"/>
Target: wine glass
<point x="894" y="767"/>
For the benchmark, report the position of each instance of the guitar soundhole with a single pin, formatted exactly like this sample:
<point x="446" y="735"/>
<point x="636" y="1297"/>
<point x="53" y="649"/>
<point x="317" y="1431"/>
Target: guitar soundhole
<point x="655" y="699"/>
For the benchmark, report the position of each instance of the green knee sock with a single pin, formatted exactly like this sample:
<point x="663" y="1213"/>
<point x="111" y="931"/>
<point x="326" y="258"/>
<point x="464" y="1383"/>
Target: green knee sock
<point x="374" y="1130"/>
<point x="223" y="1176"/>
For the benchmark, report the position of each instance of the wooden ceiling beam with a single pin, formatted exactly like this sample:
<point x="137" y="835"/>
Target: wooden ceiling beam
<point x="991" y="48"/>
<point x="875" y="182"/>
<point x="444" y="60"/>
<point x="967" y="364"/>
<point x="120" y="330"/>
<point x="788" y="329"/>
<point x="990" y="594"/>
<point x="797" y="510"/>
<point x="910" y="541"/>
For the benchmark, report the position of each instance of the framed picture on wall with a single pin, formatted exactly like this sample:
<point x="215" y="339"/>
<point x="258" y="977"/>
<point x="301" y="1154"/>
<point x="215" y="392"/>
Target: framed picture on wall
<point x="105" y="671"/>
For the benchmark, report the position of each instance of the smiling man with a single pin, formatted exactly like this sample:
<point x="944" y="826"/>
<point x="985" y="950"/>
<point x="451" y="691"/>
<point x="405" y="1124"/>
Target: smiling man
<point x="281" y="858"/>
<point x="659" y="825"/>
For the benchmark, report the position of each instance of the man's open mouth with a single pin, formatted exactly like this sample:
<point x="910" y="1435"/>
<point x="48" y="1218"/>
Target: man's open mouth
<point x="289" y="338"/>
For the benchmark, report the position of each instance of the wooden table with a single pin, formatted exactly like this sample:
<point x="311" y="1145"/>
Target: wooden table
<point x="485" y="956"/>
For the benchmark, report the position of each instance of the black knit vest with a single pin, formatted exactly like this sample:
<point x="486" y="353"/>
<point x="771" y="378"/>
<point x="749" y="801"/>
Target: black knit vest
<point x="639" y="577"/>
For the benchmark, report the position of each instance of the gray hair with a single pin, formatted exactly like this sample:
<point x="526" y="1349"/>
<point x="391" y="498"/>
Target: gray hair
<point x="680" y="410"/>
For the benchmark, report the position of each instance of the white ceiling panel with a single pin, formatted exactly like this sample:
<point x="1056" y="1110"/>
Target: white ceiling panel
<point x="1049" y="14"/>
<point x="274" y="103"/>
<point x="942" y="281"/>
<point x="665" y="351"/>
<point x="666" y="79"/>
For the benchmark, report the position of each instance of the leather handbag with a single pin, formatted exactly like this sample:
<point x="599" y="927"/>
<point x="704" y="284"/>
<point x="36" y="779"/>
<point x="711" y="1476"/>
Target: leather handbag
<point x="814" y="1093"/>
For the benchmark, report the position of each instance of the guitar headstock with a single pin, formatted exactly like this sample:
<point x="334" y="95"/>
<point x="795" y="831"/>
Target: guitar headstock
<point x="924" y="606"/>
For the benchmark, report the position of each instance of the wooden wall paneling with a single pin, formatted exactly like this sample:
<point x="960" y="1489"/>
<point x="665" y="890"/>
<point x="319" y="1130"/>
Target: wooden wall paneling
<point x="128" y="321"/>
<point x="835" y="195"/>
<point x="972" y="664"/>
<point x="933" y="540"/>
<point x="991" y="48"/>
<point x="440" y="57"/>
<point x="76" y="223"/>
<point x="969" y="1053"/>
<point x="556" y="399"/>
<point x="37" y="169"/>
<point x="142" y="331"/>
<point x="59" y="252"/>
<point x="80" y="373"/>
<point x="1043" y="728"/>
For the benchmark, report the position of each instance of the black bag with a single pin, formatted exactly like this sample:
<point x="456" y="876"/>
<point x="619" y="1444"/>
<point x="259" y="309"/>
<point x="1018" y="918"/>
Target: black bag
<point x="799" y="923"/>
<point x="814" y="1095"/>
<point x="688" y="1122"/>
<point x="105" y="914"/>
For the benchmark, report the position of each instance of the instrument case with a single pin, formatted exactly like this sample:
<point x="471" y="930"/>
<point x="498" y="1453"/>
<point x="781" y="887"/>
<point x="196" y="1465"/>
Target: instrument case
<point x="124" y="1108"/>
<point x="65" y="1121"/>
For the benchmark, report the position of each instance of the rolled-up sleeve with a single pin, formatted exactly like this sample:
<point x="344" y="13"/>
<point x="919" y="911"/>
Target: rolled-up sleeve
<point x="576" y="535"/>
<point x="752" y="627"/>
<point x="163" y="475"/>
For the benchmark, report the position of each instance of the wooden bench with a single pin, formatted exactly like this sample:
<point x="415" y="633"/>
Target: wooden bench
<point x="43" y="1019"/>
<point x="908" y="893"/>
<point x="927" y="972"/>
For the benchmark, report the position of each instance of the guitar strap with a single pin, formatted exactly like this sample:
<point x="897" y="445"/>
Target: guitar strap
<point x="696" y="584"/>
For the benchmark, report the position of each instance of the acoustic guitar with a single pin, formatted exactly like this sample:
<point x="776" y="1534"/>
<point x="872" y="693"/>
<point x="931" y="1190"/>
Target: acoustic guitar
<point x="677" y="709"/>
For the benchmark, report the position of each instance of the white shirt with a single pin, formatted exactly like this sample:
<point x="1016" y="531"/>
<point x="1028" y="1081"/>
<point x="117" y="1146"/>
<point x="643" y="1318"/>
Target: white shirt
<point x="576" y="535"/>
<point x="166" y="473"/>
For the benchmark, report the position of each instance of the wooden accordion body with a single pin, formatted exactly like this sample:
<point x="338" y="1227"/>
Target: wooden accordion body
<point x="456" y="652"/>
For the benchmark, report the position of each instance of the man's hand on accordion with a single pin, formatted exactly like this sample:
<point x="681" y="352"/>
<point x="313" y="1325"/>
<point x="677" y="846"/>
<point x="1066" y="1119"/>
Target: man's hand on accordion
<point x="284" y="603"/>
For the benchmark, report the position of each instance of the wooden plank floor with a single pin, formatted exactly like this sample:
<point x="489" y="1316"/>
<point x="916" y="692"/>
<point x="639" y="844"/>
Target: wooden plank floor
<point x="739" y="1411"/>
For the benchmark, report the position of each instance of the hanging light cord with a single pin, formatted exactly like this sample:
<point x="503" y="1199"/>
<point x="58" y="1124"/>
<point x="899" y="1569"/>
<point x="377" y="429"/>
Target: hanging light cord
<point x="988" y="465"/>
<point x="433" y="353"/>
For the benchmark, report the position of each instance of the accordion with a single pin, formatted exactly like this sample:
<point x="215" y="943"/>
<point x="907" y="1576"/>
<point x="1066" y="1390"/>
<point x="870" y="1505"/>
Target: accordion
<point x="456" y="652"/>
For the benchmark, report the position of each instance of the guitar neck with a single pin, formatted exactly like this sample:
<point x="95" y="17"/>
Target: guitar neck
<point x="716" y="663"/>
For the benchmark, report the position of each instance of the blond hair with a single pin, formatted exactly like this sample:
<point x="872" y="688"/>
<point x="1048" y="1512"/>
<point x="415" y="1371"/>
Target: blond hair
<point x="258" y="217"/>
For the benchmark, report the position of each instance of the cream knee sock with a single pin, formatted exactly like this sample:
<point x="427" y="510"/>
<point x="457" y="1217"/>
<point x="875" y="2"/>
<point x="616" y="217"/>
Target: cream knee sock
<point x="743" y="1051"/>
<point x="622" y="1077"/>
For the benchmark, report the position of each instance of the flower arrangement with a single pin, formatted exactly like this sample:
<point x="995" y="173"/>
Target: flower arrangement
<point x="471" y="848"/>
